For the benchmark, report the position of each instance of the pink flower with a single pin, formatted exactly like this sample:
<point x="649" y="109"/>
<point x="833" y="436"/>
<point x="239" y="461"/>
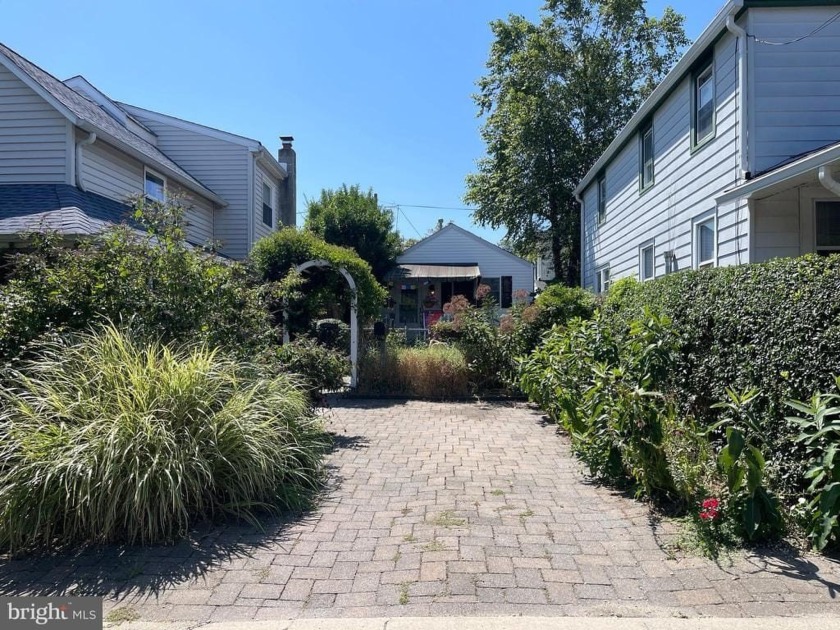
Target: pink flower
<point x="709" y="509"/>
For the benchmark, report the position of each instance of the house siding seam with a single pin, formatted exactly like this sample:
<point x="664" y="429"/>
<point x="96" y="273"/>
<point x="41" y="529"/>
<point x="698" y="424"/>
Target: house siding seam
<point x="33" y="135"/>
<point x="685" y="186"/>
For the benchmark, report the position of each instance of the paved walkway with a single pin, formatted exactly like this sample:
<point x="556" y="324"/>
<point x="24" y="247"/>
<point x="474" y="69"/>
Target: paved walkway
<point x="440" y="509"/>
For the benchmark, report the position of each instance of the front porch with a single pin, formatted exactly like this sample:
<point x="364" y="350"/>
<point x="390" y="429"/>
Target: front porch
<point x="795" y="208"/>
<point x="418" y="293"/>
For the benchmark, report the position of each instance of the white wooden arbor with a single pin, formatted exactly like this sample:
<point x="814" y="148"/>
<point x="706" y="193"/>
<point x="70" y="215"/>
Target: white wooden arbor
<point x="354" y="319"/>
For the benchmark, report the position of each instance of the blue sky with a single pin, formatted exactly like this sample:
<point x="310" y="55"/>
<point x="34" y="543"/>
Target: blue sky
<point x="376" y="92"/>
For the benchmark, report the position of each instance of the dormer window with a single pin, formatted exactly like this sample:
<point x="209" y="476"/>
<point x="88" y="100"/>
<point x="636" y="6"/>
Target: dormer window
<point x="267" y="205"/>
<point x="155" y="186"/>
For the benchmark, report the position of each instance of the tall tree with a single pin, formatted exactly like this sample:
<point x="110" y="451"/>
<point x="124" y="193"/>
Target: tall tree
<point x="351" y="218"/>
<point x="555" y="95"/>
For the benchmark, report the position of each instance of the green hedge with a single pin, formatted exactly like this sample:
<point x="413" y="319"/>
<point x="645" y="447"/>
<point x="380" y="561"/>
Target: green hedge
<point x="774" y="326"/>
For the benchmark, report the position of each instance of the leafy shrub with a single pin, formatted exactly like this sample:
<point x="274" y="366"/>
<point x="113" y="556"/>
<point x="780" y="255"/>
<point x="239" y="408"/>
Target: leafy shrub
<point x="438" y="371"/>
<point x="116" y="439"/>
<point x="600" y="389"/>
<point x="819" y="427"/>
<point x="275" y="255"/>
<point x="168" y="288"/>
<point x="772" y="326"/>
<point x="743" y="466"/>
<point x="555" y="306"/>
<point x="334" y="334"/>
<point x="322" y="368"/>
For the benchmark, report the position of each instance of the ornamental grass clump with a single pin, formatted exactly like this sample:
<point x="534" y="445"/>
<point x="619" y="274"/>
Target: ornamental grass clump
<point x="108" y="438"/>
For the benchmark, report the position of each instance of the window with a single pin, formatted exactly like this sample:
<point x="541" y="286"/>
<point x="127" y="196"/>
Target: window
<point x="602" y="280"/>
<point x="646" y="267"/>
<point x="703" y="114"/>
<point x="507" y="291"/>
<point x="155" y="186"/>
<point x="704" y="243"/>
<point x="646" y="175"/>
<point x="267" y="207"/>
<point x="828" y="227"/>
<point x="602" y="200"/>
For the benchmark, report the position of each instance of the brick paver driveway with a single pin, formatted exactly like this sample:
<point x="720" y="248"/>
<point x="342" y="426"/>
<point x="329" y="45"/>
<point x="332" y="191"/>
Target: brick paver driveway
<point x="437" y="509"/>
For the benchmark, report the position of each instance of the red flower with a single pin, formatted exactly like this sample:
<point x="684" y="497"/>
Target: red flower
<point x="709" y="509"/>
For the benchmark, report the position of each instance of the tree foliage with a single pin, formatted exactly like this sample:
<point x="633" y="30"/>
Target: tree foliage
<point x="350" y="218"/>
<point x="556" y="93"/>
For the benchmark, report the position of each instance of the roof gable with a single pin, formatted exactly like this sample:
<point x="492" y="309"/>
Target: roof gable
<point x="82" y="112"/>
<point x="452" y="228"/>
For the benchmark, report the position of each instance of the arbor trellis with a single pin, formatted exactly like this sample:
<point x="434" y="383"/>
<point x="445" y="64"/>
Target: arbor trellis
<point x="354" y="318"/>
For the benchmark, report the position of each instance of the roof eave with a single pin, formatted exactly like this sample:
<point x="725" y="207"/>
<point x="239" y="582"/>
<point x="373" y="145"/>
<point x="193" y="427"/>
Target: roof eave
<point x="158" y="166"/>
<point x="789" y="171"/>
<point x="677" y="73"/>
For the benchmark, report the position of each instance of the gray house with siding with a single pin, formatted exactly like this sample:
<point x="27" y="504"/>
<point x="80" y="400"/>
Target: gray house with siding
<point x="732" y="159"/>
<point x="452" y="261"/>
<point x="71" y="157"/>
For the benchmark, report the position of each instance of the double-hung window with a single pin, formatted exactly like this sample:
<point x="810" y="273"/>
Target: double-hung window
<point x="703" y="109"/>
<point x="267" y="205"/>
<point x="704" y="243"/>
<point x="646" y="154"/>
<point x="602" y="279"/>
<point x="646" y="263"/>
<point x="828" y="227"/>
<point x="602" y="200"/>
<point x="154" y="186"/>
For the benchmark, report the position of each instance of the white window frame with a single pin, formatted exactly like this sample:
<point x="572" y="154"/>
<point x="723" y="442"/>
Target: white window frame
<point x="708" y="69"/>
<point x="647" y="246"/>
<point x="267" y="185"/>
<point x="647" y="128"/>
<point x="817" y="247"/>
<point x="602" y="279"/>
<point x="697" y="222"/>
<point x="602" y="200"/>
<point x="146" y="172"/>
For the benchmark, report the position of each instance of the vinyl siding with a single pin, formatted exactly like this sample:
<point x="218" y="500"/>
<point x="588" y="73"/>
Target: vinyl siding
<point x="109" y="172"/>
<point x="685" y="185"/>
<point x="260" y="228"/>
<point x="220" y="165"/>
<point x="198" y="214"/>
<point x="453" y="246"/>
<point x="776" y="226"/>
<point x="33" y="136"/>
<point x="794" y="89"/>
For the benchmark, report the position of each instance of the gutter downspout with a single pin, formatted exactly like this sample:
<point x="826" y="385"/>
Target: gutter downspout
<point x="582" y="239"/>
<point x="828" y="181"/>
<point x="741" y="34"/>
<point x="80" y="183"/>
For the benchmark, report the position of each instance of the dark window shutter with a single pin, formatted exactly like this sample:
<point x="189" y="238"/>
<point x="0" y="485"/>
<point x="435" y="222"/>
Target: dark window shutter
<point x="507" y="291"/>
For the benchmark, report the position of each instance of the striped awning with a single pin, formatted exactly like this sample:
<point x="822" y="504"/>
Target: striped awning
<point x="455" y="271"/>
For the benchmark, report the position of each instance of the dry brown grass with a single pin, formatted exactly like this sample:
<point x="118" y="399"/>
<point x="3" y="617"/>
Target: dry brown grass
<point x="437" y="371"/>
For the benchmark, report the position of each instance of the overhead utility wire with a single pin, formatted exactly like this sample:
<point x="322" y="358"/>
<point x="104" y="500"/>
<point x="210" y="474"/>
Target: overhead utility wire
<point x="821" y="27"/>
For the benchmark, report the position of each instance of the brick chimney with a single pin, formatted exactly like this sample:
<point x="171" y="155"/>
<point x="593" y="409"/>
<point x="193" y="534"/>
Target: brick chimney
<point x="288" y="194"/>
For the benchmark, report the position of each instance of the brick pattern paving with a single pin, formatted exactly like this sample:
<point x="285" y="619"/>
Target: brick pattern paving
<point x="440" y="509"/>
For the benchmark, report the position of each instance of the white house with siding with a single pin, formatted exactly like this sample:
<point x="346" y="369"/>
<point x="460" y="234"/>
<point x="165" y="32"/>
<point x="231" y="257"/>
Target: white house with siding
<point x="452" y="261"/>
<point x="732" y="158"/>
<point x="66" y="142"/>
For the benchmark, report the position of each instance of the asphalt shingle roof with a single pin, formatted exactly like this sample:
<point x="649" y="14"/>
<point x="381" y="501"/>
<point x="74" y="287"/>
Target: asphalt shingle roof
<point x="88" y="111"/>
<point x="57" y="207"/>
